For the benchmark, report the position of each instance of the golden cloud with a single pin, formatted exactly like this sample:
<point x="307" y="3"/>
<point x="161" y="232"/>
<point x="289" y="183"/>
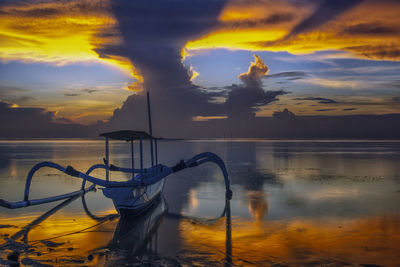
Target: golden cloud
<point x="58" y="32"/>
<point x="68" y="32"/>
<point x="369" y="30"/>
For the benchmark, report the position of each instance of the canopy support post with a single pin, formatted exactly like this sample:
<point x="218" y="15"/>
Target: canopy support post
<point x="141" y="155"/>
<point x="150" y="129"/>
<point x="133" y="160"/>
<point x="107" y="161"/>
<point x="155" y="143"/>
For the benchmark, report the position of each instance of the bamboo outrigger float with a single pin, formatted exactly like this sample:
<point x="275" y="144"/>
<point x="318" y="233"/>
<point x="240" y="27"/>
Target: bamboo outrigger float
<point x="134" y="195"/>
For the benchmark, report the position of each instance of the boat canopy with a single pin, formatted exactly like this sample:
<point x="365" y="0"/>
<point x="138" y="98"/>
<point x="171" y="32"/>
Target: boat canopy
<point x="127" y="135"/>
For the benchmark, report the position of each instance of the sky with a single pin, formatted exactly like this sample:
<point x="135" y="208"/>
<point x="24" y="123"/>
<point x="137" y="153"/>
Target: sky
<point x="88" y="63"/>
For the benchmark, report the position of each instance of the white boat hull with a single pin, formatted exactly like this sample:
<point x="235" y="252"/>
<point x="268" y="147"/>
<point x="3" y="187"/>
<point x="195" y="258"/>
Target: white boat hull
<point x="134" y="199"/>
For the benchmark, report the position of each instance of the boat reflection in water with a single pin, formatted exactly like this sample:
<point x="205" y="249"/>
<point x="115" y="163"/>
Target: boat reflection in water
<point x="135" y="237"/>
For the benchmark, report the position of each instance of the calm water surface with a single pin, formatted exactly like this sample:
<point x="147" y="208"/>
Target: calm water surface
<point x="295" y="203"/>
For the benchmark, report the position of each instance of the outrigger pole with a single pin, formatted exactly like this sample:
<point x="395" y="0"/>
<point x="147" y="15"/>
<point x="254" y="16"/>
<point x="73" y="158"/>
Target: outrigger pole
<point x="107" y="160"/>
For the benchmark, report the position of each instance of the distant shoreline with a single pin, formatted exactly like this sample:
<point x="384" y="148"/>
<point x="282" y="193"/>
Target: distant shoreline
<point x="216" y="139"/>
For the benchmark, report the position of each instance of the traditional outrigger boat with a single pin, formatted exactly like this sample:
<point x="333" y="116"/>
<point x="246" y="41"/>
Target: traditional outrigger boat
<point x="134" y="195"/>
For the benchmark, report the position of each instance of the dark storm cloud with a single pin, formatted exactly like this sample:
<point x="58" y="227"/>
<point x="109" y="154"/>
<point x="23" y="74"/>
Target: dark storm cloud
<point x="370" y="28"/>
<point x="36" y="122"/>
<point x="325" y="12"/>
<point x="348" y="109"/>
<point x="321" y="100"/>
<point x="154" y="33"/>
<point x="243" y="102"/>
<point x="171" y="110"/>
<point x="14" y="115"/>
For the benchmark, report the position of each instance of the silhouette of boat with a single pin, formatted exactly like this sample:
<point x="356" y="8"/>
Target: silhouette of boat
<point x="132" y="196"/>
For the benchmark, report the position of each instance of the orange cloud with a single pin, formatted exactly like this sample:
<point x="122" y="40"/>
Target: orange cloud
<point x="58" y="33"/>
<point x="256" y="70"/>
<point x="369" y="30"/>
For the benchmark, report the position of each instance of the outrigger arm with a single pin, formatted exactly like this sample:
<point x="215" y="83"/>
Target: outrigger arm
<point x="145" y="177"/>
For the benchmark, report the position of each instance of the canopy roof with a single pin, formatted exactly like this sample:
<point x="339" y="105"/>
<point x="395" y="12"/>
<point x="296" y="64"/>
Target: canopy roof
<point x="126" y="135"/>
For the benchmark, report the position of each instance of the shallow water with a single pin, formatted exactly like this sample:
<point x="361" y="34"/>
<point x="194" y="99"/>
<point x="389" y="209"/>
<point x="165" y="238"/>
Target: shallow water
<point x="294" y="203"/>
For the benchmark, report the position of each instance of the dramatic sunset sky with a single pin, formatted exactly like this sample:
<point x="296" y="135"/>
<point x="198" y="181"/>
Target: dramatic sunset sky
<point x="81" y="62"/>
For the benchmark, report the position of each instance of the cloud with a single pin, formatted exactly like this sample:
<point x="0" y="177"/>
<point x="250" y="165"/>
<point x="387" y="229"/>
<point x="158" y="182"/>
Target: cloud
<point x="370" y="29"/>
<point x="253" y="76"/>
<point x="87" y="91"/>
<point x="56" y="32"/>
<point x="37" y="12"/>
<point x="388" y="51"/>
<point x="321" y="100"/>
<point x="241" y="27"/>
<point x="154" y="48"/>
<point x="71" y="94"/>
<point x="395" y="84"/>
<point x="325" y="109"/>
<point x="37" y="122"/>
<point x="290" y="75"/>
<point x="154" y="34"/>
<point x="325" y="12"/>
<point x="23" y="99"/>
<point x="6" y="91"/>
<point x="244" y="100"/>
<point x="334" y="83"/>
<point x="91" y="91"/>
<point x="252" y="23"/>
<point x="283" y="115"/>
<point x="15" y="94"/>
<point x="348" y="109"/>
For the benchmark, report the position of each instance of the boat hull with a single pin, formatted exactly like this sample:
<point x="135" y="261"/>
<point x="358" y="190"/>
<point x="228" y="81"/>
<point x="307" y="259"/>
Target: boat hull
<point x="134" y="200"/>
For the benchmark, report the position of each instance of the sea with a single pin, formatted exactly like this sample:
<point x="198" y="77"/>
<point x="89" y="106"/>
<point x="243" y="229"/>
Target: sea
<point x="295" y="203"/>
